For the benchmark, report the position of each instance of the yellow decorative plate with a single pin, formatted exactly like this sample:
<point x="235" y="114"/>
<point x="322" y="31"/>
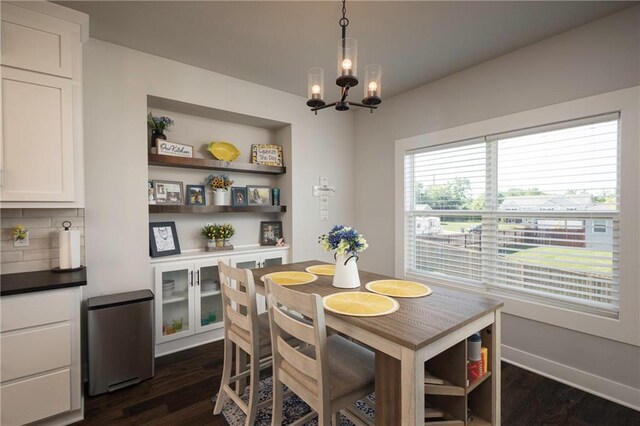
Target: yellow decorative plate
<point x="360" y="304"/>
<point x="322" y="269"/>
<point x="223" y="151"/>
<point x="398" y="288"/>
<point x="290" y="278"/>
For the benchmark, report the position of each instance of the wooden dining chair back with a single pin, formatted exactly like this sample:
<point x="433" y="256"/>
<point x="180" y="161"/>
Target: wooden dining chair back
<point x="241" y="327"/>
<point x="306" y="371"/>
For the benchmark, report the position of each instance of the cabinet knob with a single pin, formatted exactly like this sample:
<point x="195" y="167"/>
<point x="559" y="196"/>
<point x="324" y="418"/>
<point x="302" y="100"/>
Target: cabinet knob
<point x="191" y="280"/>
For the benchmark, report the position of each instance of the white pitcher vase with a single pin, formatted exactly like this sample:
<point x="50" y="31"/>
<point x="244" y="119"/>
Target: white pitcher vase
<point x="346" y="275"/>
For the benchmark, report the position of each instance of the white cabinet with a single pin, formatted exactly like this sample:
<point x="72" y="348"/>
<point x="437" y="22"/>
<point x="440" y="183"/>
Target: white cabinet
<point x="187" y="295"/>
<point x="41" y="152"/>
<point x="40" y="352"/>
<point x="37" y="142"/>
<point x="188" y="298"/>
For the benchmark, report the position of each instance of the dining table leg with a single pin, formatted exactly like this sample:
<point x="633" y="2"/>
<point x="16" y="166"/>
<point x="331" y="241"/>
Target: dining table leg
<point x="387" y="389"/>
<point x="411" y="388"/>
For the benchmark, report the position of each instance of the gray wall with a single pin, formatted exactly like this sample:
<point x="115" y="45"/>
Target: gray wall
<point x="596" y="58"/>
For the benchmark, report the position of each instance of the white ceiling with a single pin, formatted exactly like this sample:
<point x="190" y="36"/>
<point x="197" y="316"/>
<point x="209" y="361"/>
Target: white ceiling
<point x="274" y="43"/>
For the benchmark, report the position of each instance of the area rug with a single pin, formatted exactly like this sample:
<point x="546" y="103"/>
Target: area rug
<point x="293" y="408"/>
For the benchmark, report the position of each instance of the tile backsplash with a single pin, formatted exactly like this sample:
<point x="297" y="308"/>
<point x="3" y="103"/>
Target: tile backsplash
<point x="43" y="226"/>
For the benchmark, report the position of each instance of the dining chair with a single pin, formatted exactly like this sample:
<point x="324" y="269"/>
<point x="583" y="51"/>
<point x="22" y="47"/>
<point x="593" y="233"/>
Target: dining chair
<point x="330" y="373"/>
<point x="249" y="332"/>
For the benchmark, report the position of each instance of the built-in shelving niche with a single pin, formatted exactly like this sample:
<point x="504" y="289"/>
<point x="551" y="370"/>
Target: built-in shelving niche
<point x="197" y="125"/>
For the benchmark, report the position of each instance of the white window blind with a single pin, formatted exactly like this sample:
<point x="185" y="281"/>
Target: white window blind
<point x="534" y="213"/>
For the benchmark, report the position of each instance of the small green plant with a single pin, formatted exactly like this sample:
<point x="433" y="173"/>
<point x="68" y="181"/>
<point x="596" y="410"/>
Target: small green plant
<point x="159" y="124"/>
<point x="227" y="230"/>
<point x="216" y="182"/>
<point x="211" y="232"/>
<point x="19" y="232"/>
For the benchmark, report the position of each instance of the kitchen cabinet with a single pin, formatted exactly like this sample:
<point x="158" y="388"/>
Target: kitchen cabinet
<point x="188" y="299"/>
<point x="40" y="351"/>
<point x="41" y="146"/>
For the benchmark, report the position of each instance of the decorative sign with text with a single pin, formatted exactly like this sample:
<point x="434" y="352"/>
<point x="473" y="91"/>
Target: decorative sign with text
<point x="268" y="155"/>
<point x="174" y="149"/>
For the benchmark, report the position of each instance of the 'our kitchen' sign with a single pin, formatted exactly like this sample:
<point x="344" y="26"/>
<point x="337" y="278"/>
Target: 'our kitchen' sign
<point x="174" y="149"/>
<point x="269" y="155"/>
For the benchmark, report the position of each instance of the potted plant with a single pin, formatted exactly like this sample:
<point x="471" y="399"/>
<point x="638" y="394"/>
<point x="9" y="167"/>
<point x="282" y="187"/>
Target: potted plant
<point x="227" y="231"/>
<point x="158" y="125"/>
<point x="212" y="233"/>
<point x="220" y="185"/>
<point x="347" y="243"/>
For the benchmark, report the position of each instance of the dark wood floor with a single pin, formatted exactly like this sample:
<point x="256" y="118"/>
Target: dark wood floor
<point x="181" y="391"/>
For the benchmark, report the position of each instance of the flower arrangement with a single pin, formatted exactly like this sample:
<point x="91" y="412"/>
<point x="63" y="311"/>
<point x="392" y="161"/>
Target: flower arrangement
<point x="19" y="232"/>
<point x="218" y="232"/>
<point x="219" y="182"/>
<point x="344" y="240"/>
<point x="159" y="124"/>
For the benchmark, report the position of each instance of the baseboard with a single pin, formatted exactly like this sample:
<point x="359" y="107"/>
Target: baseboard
<point x="599" y="386"/>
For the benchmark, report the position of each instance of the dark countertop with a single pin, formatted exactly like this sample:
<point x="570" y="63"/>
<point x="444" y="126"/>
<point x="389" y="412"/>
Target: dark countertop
<point x="29" y="282"/>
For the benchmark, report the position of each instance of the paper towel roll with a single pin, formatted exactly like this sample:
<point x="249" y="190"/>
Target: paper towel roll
<point x="69" y="249"/>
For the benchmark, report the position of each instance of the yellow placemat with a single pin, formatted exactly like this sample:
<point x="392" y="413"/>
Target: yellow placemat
<point x="322" y="269"/>
<point x="360" y="304"/>
<point x="398" y="288"/>
<point x="290" y="277"/>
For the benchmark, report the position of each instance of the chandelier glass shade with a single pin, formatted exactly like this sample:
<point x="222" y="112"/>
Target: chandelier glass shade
<point x="347" y="76"/>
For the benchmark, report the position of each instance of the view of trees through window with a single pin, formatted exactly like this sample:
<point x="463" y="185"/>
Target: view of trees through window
<point x="545" y="222"/>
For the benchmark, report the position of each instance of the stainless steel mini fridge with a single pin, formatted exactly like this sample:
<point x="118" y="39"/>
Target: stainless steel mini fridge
<point x="120" y="332"/>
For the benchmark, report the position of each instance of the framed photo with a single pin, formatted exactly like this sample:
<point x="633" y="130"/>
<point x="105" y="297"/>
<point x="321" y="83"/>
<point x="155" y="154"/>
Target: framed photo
<point x="258" y="195"/>
<point x="196" y="195"/>
<point x="151" y="193"/>
<point x="238" y="196"/>
<point x="269" y="155"/>
<point x="168" y="192"/>
<point x="174" y="149"/>
<point x="163" y="239"/>
<point x="270" y="233"/>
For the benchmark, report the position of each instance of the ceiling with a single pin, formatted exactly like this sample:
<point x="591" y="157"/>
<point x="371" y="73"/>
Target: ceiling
<point x="274" y="43"/>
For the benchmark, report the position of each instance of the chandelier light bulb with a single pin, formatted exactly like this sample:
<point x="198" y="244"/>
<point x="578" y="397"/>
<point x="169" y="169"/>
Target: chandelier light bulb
<point x="315" y="89"/>
<point x="346" y="64"/>
<point x="373" y="86"/>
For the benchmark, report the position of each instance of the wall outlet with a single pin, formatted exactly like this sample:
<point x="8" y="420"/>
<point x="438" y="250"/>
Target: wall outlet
<point x="21" y="243"/>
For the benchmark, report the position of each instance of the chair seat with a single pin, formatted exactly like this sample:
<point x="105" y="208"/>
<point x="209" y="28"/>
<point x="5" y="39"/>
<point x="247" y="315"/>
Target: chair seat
<point x="351" y="367"/>
<point x="264" y="334"/>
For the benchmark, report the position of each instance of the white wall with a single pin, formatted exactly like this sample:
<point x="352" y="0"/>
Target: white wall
<point x="596" y="58"/>
<point x="116" y="84"/>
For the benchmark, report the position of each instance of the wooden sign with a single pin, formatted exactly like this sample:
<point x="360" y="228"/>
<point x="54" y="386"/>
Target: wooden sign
<point x="269" y="155"/>
<point x="174" y="149"/>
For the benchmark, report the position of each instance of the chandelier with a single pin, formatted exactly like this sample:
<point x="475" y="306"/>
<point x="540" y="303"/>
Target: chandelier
<point x="347" y="76"/>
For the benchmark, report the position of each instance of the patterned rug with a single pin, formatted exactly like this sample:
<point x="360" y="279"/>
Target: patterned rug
<point x="293" y="408"/>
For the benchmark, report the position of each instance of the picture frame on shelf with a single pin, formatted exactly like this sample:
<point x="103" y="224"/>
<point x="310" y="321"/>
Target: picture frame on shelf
<point x="163" y="239"/>
<point x="266" y="154"/>
<point x="173" y="149"/>
<point x="168" y="192"/>
<point x="258" y="195"/>
<point x="270" y="233"/>
<point x="151" y="193"/>
<point x="238" y="196"/>
<point x="196" y="195"/>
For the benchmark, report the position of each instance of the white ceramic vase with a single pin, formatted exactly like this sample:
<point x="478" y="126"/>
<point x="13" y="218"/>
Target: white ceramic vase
<point x="220" y="197"/>
<point x="346" y="275"/>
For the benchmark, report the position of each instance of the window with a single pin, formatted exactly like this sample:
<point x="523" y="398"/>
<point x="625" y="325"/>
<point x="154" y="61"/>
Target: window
<point x="534" y="213"/>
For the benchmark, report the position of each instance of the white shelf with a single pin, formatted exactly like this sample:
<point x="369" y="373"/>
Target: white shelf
<point x="178" y="296"/>
<point x="202" y="254"/>
<point x="209" y="293"/>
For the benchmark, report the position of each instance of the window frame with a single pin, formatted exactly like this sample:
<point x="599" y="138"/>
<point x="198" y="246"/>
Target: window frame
<point x="625" y="328"/>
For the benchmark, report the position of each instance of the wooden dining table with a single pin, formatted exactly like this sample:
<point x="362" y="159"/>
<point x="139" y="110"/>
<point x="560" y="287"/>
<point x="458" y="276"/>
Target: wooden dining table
<point x="404" y="340"/>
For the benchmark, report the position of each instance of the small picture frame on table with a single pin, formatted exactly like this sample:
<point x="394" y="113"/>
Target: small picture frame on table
<point x="258" y="195"/>
<point x="238" y="196"/>
<point x="168" y="192"/>
<point x="196" y="195"/>
<point x="270" y="233"/>
<point x="163" y="239"/>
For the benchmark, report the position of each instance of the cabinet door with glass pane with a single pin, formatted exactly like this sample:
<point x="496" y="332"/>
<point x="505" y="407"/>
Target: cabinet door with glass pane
<point x="174" y="284"/>
<point x="208" y="299"/>
<point x="254" y="261"/>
